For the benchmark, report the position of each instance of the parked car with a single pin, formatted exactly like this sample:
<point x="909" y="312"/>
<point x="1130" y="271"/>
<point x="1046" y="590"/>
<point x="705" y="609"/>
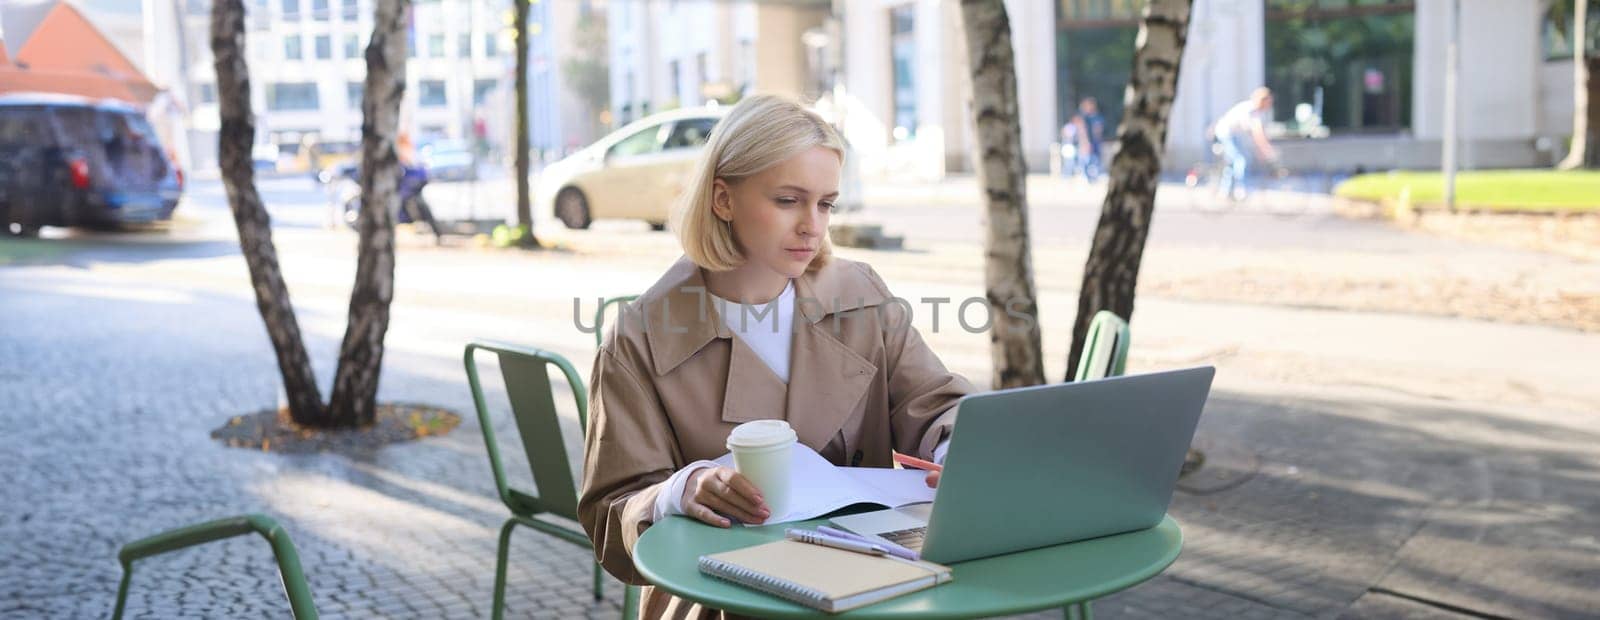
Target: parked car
<point x="449" y="160"/>
<point x="71" y="161"/>
<point x="636" y="172"/>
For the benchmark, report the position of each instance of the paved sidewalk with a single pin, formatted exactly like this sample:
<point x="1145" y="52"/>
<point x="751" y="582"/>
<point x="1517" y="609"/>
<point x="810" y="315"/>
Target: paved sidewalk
<point x="1330" y="491"/>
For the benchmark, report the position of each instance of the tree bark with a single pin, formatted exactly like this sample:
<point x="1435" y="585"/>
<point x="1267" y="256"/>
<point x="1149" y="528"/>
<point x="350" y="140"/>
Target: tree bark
<point x="235" y="138"/>
<point x="1014" y="348"/>
<point x="524" y="167"/>
<point x="355" y="383"/>
<point x="1112" y="271"/>
<point x="1591" y="157"/>
<point x="1585" y="150"/>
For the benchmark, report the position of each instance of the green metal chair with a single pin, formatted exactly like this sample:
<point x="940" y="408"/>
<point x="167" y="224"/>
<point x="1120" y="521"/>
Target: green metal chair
<point x="1105" y="348"/>
<point x="1105" y="354"/>
<point x="294" y="580"/>
<point x="527" y="380"/>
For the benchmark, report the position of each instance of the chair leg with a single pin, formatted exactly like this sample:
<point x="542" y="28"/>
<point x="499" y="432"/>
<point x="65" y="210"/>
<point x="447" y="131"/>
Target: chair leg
<point x="630" y="602"/>
<point x="598" y="584"/>
<point x="122" y="592"/>
<point x="498" y="611"/>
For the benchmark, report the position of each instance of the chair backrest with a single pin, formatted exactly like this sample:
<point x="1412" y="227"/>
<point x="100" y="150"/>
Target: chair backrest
<point x="294" y="579"/>
<point x="527" y="381"/>
<point x="600" y="315"/>
<point x="1105" y="348"/>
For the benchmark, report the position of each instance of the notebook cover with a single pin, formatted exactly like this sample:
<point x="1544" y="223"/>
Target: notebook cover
<point x="822" y="577"/>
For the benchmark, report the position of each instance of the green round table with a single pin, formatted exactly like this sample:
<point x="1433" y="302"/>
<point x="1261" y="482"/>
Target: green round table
<point x="1049" y="577"/>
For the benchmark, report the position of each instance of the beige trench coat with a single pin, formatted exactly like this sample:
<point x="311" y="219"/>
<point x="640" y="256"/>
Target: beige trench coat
<point x="670" y="382"/>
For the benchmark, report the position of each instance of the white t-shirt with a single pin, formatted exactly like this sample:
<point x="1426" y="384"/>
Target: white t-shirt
<point x="768" y="329"/>
<point x="1240" y="120"/>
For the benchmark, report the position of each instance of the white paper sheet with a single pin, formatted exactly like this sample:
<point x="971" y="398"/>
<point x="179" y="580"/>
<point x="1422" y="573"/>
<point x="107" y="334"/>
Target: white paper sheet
<point x="818" y="487"/>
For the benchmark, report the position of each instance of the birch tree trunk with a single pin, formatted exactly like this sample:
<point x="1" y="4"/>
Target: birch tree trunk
<point x="1014" y="348"/>
<point x="524" y="167"/>
<point x="1112" y="270"/>
<point x="355" y="383"/>
<point x="1585" y="143"/>
<point x="1591" y="158"/>
<point x="235" y="138"/>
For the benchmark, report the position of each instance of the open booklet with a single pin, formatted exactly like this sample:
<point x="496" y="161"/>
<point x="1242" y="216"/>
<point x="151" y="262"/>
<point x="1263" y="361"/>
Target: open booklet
<point x="818" y="487"/>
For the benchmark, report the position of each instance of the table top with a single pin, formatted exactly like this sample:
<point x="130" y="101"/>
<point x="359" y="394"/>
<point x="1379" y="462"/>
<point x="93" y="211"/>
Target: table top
<point x="668" y="552"/>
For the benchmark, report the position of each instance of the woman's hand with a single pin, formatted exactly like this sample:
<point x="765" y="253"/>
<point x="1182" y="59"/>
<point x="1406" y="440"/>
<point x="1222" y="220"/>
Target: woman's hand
<point x="712" y="492"/>
<point x="932" y="480"/>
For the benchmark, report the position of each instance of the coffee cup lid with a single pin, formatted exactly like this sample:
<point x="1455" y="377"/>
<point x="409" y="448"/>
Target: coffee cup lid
<point x="761" y="434"/>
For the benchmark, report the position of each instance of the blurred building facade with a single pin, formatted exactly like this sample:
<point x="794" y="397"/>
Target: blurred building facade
<point x="562" y="117"/>
<point x="308" y="69"/>
<point x="666" y="54"/>
<point x="1359" y="83"/>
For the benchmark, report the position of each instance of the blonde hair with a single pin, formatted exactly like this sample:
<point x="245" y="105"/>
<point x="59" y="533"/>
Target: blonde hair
<point x="756" y="134"/>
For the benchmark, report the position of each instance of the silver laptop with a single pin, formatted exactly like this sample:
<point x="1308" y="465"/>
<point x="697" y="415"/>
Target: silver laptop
<point x="1044" y="465"/>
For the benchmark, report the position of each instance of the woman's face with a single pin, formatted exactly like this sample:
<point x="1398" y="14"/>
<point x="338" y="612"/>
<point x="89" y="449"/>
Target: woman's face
<point x="780" y="215"/>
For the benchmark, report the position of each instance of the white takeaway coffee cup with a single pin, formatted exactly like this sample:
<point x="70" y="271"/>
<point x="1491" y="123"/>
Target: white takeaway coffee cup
<point x="762" y="452"/>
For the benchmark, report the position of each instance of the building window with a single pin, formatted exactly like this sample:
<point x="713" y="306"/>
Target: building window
<point x="292" y="96"/>
<point x="319" y="10"/>
<point x="464" y="46"/>
<point x="324" y="47"/>
<point x="903" y="55"/>
<point x="351" y="10"/>
<point x="1344" y="67"/>
<point x="352" y="45"/>
<point x="1094" y="55"/>
<point x="481" y="90"/>
<point x="291" y="47"/>
<point x="491" y="45"/>
<point x="291" y="9"/>
<point x="1558" y="29"/>
<point x="430" y="93"/>
<point x="208" y="93"/>
<point x="436" y="45"/>
<point x="353" y="92"/>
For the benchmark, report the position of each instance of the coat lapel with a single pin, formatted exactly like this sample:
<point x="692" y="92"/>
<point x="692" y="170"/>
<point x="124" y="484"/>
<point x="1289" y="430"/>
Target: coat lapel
<point x="826" y="382"/>
<point x="753" y="391"/>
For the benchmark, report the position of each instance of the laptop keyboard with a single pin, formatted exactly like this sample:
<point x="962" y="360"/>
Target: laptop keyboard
<point x="910" y="538"/>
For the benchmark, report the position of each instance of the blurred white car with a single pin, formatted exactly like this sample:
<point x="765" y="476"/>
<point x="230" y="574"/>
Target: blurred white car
<point x="636" y="172"/>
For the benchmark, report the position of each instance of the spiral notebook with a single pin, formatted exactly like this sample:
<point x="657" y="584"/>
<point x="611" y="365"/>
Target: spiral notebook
<point x="824" y="578"/>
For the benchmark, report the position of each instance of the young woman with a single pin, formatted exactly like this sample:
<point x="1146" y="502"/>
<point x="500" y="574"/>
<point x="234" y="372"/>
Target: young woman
<point x="756" y="321"/>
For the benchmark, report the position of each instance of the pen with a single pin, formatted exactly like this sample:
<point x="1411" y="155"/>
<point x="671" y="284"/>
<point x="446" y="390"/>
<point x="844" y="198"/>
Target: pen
<point x="818" y="538"/>
<point x="888" y="547"/>
<point x="911" y="461"/>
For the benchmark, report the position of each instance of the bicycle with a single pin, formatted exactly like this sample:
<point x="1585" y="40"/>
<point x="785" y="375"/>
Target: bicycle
<point x="1206" y="196"/>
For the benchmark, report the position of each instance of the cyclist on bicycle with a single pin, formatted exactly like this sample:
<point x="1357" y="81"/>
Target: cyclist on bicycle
<point x="1243" y="126"/>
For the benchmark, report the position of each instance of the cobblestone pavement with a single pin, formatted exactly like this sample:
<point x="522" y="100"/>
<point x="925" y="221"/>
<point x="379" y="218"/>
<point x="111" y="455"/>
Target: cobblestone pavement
<point x="1336" y="485"/>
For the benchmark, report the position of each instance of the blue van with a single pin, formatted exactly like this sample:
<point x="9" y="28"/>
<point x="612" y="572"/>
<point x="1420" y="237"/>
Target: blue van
<point x="70" y="161"/>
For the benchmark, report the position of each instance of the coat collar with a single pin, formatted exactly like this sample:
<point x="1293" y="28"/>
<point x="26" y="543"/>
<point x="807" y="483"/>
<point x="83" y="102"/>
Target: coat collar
<point x="680" y="318"/>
